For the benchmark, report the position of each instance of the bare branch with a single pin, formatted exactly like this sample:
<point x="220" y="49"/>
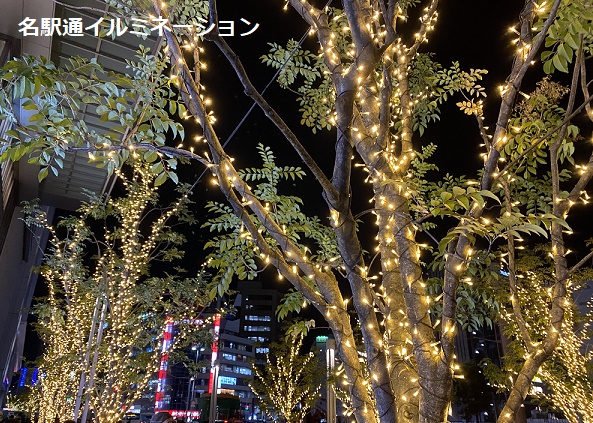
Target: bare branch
<point x="513" y="275"/>
<point x="175" y="152"/>
<point x="584" y="84"/>
<point x="580" y="263"/>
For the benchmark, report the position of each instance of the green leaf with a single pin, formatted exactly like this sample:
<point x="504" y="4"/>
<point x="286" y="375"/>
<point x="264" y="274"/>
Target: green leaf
<point x="560" y="63"/>
<point x="464" y="201"/>
<point x="157" y="167"/>
<point x="160" y="180"/>
<point x="38" y="85"/>
<point x="150" y="156"/>
<point x="565" y="51"/>
<point x="568" y="39"/>
<point x="458" y="191"/>
<point x="42" y="174"/>
<point x="489" y="194"/>
<point x="29" y="105"/>
<point x="174" y="177"/>
<point x="446" y="195"/>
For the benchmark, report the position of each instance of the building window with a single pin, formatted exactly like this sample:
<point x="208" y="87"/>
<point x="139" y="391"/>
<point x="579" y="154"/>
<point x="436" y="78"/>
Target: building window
<point x="235" y="346"/>
<point x="228" y="356"/>
<point x="258" y="318"/>
<point x="262" y="350"/>
<point x="259" y="298"/>
<point x="258" y="338"/>
<point x="257" y="328"/>
<point x="259" y="307"/>
<point x="242" y="370"/>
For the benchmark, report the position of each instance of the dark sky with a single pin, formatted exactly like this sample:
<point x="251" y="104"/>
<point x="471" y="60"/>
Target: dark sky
<point x="474" y="32"/>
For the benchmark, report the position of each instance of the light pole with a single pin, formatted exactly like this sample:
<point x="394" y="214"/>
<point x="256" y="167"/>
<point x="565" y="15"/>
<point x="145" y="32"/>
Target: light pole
<point x="330" y="361"/>
<point x="214" y="370"/>
<point x="191" y="384"/>
<point x="189" y="391"/>
<point x="330" y="357"/>
<point x="213" y="394"/>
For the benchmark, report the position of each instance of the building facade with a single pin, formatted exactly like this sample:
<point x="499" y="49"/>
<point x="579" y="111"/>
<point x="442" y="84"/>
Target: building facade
<point x="257" y="311"/>
<point x="21" y="248"/>
<point x="242" y="339"/>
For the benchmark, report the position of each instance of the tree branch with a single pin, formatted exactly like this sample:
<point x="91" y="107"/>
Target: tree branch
<point x="584" y="84"/>
<point x="427" y="20"/>
<point x="580" y="263"/>
<point x="271" y="113"/>
<point x="513" y="275"/>
<point x="520" y="66"/>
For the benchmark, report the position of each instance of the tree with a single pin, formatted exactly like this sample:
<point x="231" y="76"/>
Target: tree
<point x="376" y="89"/>
<point x="102" y="322"/>
<point x="289" y="383"/>
<point x="565" y="378"/>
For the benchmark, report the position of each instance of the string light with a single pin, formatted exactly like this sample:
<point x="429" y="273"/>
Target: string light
<point x="81" y="302"/>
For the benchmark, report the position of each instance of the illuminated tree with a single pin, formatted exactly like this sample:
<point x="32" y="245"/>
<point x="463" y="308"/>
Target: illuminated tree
<point x="103" y="320"/>
<point x="372" y="87"/>
<point x="289" y="383"/>
<point x="565" y="380"/>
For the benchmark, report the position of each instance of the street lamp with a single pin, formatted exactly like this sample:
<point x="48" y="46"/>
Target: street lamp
<point x="330" y="360"/>
<point x="214" y="370"/>
<point x="330" y="357"/>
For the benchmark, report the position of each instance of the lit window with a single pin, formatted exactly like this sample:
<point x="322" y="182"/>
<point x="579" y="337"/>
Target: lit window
<point x="257" y="328"/>
<point x="254" y="318"/>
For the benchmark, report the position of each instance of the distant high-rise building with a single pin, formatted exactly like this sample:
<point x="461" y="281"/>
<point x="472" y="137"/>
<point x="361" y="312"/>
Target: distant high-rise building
<point x="257" y="313"/>
<point x="240" y="339"/>
<point x="227" y="365"/>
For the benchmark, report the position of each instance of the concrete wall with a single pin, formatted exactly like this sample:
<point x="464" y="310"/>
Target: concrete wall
<point x="14" y="11"/>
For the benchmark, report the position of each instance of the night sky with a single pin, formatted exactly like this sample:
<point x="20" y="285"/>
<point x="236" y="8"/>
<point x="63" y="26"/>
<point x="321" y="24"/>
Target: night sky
<point x="474" y="32"/>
